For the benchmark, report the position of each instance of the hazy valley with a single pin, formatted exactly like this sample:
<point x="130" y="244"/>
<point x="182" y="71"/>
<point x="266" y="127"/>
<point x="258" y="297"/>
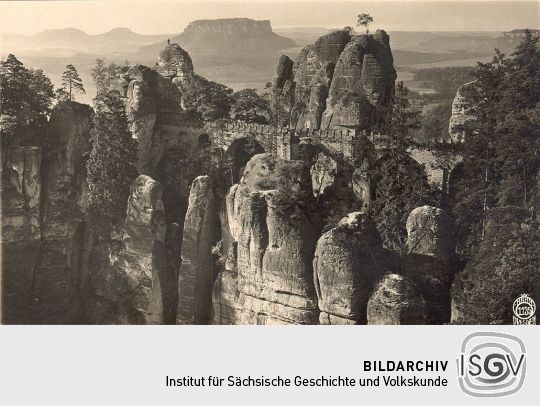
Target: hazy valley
<point x="249" y="65"/>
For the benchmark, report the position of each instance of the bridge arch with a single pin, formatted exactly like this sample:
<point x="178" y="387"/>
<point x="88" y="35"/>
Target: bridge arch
<point x="238" y="154"/>
<point x="203" y="141"/>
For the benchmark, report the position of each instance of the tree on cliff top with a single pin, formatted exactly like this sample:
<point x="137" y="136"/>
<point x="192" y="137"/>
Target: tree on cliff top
<point x="111" y="163"/>
<point x="98" y="73"/>
<point x="104" y="74"/>
<point x="71" y="82"/>
<point x="25" y="99"/>
<point x="364" y="20"/>
<point x="248" y="106"/>
<point x="208" y="100"/>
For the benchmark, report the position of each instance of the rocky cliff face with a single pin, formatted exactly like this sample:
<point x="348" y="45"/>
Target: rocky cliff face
<point x="21" y="231"/>
<point x="67" y="277"/>
<point x="21" y="195"/>
<point x="154" y="108"/>
<point x="460" y="114"/>
<point x="129" y="278"/>
<point x="201" y="233"/>
<point x="271" y="280"/>
<point x="429" y="259"/>
<point x="340" y="80"/>
<point x="42" y="204"/>
<point x="346" y="265"/>
<point x="265" y="278"/>
<point x="396" y="300"/>
<point x="283" y="89"/>
<point x="167" y="135"/>
<point x="143" y="251"/>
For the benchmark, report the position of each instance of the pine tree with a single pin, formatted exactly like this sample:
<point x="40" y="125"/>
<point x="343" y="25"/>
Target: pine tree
<point x="25" y="100"/>
<point x="400" y="182"/>
<point x="502" y="141"/>
<point x="498" y="194"/>
<point x="111" y="163"/>
<point x="518" y="150"/>
<point x="248" y="106"/>
<point x="403" y="119"/>
<point x="14" y="79"/>
<point x="364" y="20"/>
<point x="99" y="75"/>
<point x="71" y="82"/>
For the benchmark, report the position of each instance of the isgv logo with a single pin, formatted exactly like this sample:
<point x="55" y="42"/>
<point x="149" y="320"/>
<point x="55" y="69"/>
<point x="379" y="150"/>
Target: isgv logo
<point x="491" y="364"/>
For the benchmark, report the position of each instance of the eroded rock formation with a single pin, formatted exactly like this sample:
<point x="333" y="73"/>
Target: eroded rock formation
<point x="174" y="61"/>
<point x="21" y="195"/>
<point x="346" y="265"/>
<point x="197" y="272"/>
<point x="396" y="300"/>
<point x="143" y="251"/>
<point x="341" y="80"/>
<point x="362" y="84"/>
<point x="460" y="114"/>
<point x="42" y="206"/>
<point x="274" y="240"/>
<point x="68" y="278"/>
<point x="154" y="108"/>
<point x="429" y="259"/>
<point x="283" y="90"/>
<point x="21" y="231"/>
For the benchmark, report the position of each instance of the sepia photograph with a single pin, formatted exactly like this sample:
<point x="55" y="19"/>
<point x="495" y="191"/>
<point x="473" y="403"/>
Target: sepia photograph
<point x="270" y="162"/>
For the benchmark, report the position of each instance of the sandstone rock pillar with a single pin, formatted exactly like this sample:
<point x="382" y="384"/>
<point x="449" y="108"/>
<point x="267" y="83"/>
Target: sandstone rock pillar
<point x="201" y="233"/>
<point x="428" y="261"/>
<point x="268" y="276"/>
<point x="144" y="253"/>
<point x="346" y="266"/>
<point x="395" y="300"/>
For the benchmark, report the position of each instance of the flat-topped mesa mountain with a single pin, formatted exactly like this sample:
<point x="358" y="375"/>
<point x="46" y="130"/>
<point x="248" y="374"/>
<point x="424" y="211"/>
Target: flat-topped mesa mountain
<point x="231" y="36"/>
<point x="342" y="80"/>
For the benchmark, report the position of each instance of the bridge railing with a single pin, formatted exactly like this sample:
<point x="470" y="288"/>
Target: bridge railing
<point x="328" y="135"/>
<point x="265" y="129"/>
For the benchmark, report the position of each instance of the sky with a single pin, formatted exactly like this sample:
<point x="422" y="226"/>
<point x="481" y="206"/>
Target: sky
<point x="168" y="16"/>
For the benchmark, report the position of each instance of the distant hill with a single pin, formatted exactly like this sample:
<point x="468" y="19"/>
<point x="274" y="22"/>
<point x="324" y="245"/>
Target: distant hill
<point x="302" y="35"/>
<point x="470" y="43"/>
<point x="71" y="38"/>
<point x="229" y="36"/>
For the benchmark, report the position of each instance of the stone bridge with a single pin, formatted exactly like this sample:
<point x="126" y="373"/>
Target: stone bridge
<point x="284" y="141"/>
<point x="347" y="147"/>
